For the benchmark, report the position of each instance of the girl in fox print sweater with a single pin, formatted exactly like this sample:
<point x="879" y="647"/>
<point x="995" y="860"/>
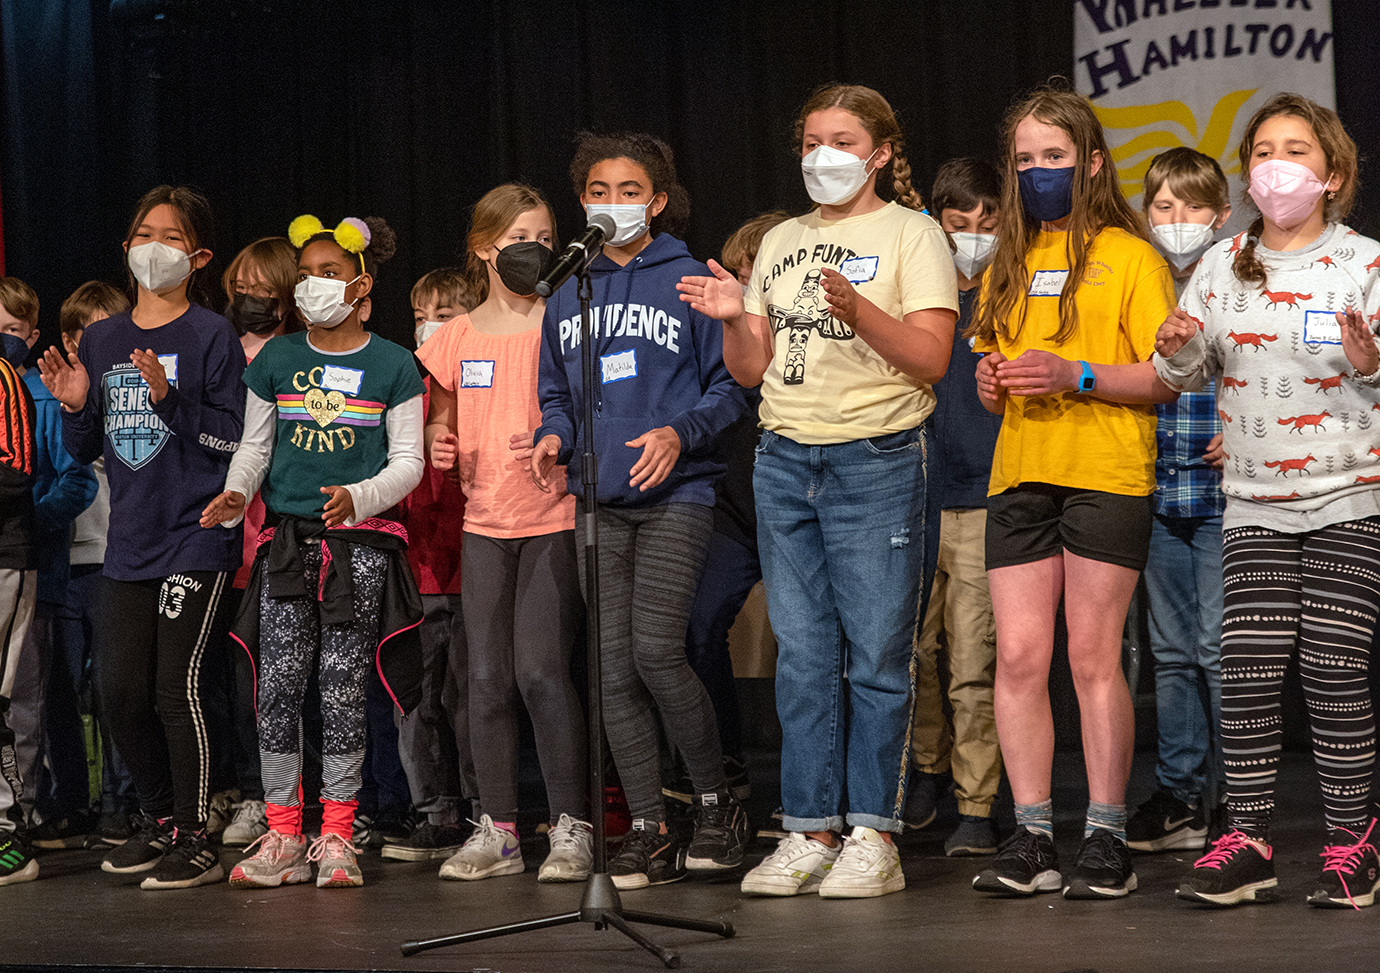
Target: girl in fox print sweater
<point x="1285" y="315"/>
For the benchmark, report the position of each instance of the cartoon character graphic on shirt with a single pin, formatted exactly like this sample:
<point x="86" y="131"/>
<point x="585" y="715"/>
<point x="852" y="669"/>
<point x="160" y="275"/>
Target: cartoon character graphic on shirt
<point x="809" y="312"/>
<point x="135" y="431"/>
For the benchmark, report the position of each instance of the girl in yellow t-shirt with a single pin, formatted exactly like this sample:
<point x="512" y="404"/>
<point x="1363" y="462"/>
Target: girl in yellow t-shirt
<point x="1068" y="314"/>
<point x="847" y="321"/>
<point x="521" y="596"/>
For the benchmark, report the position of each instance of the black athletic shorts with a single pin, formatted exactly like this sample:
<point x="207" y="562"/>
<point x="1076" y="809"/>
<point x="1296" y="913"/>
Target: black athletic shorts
<point x="1035" y="521"/>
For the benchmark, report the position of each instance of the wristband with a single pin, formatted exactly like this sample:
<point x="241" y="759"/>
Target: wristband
<point x="1373" y="379"/>
<point x="1087" y="381"/>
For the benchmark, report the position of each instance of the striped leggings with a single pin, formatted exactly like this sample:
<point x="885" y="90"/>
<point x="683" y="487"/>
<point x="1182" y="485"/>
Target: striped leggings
<point x="1320" y="592"/>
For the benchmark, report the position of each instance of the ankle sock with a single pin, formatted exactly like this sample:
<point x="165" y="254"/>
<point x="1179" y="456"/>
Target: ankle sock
<point x="508" y="826"/>
<point x="1109" y="817"/>
<point x="1037" y="817"/>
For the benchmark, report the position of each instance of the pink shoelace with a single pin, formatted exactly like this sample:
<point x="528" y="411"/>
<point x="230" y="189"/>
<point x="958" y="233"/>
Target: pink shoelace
<point x="1225" y="848"/>
<point x="1343" y="859"/>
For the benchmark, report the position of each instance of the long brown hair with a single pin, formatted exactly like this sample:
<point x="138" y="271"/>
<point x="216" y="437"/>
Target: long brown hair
<point x="198" y="224"/>
<point x="878" y="120"/>
<point x="493" y="214"/>
<point x="1338" y="149"/>
<point x="1097" y="204"/>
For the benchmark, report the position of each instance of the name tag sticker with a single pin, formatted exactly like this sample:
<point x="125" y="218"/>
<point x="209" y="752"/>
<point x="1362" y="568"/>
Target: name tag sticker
<point x="859" y="270"/>
<point x="1048" y="283"/>
<point x="169" y="363"/>
<point x="620" y="366"/>
<point x="347" y="380"/>
<point x="476" y="374"/>
<point x="1321" y="328"/>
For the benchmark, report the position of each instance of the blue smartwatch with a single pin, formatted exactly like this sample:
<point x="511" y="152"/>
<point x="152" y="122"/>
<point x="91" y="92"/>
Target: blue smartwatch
<point x="1087" y="381"/>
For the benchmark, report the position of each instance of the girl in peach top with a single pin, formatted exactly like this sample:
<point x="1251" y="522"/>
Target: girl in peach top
<point x="520" y="597"/>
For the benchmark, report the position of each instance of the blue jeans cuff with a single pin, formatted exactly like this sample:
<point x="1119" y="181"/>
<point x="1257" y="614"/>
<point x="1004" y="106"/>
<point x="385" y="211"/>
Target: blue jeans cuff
<point x="831" y="823"/>
<point x="875" y="822"/>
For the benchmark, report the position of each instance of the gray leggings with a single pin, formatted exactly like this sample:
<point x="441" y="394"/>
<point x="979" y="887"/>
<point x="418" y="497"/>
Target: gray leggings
<point x="522" y="612"/>
<point x="649" y="568"/>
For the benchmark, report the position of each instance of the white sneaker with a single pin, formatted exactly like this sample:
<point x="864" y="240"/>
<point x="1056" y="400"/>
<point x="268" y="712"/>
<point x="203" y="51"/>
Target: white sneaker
<point x="572" y="851"/>
<point x="490" y="851"/>
<point x="280" y="860"/>
<point x="336" y="865"/>
<point x="249" y="824"/>
<point x="798" y="865"/>
<point x="867" y="866"/>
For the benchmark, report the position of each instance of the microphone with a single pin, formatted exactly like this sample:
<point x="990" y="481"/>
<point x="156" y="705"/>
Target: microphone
<point x="577" y="254"/>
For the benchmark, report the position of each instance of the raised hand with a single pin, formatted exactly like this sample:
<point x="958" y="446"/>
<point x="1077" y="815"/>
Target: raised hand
<point x="65" y="377"/>
<point x="1176" y="331"/>
<point x="1037" y="372"/>
<point x="719" y="297"/>
<point x="988" y="387"/>
<point x="660" y="450"/>
<point x="1358" y="342"/>
<point x="223" y="508"/>
<point x="841" y="295"/>
<point x="153" y="372"/>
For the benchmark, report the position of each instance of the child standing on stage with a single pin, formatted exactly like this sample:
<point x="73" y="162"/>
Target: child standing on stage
<point x="334" y="421"/>
<point x="1068" y="508"/>
<point x="1185" y="200"/>
<point x="434" y="743"/>
<point x="158" y="392"/>
<point x="663" y="398"/>
<point x="1285" y="314"/>
<point x="521" y="594"/>
<point x="967" y="199"/>
<point x="848" y="321"/>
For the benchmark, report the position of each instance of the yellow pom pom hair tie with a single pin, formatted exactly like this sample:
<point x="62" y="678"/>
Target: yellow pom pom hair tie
<point x="352" y="235"/>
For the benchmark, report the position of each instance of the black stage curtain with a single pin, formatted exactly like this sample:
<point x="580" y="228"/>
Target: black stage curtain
<point x="412" y="109"/>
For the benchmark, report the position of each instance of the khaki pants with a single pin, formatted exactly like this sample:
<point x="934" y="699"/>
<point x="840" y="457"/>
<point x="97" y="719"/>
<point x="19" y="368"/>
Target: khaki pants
<point x="959" y="618"/>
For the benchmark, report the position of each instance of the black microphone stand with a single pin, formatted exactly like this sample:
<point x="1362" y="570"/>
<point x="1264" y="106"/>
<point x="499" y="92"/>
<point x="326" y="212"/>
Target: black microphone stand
<point x="600" y="905"/>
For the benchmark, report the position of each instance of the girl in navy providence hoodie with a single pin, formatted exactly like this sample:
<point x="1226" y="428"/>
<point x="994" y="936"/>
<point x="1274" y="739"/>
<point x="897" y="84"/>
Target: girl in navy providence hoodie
<point x="663" y="398"/>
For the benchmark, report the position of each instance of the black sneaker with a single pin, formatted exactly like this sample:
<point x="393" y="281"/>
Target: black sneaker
<point x="1235" y="870"/>
<point x="738" y="784"/>
<point x="69" y="832"/>
<point x="721" y="833"/>
<point x="1350" y="875"/>
<point x="973" y="836"/>
<point x="143" y="849"/>
<point x="114" y="828"/>
<point x="1165" y="823"/>
<point x="426" y="842"/>
<point x="16" y="863"/>
<point x="922" y="798"/>
<point x="648" y="857"/>
<point x="1026" y="863"/>
<point x="191" y="861"/>
<point x="1103" y="869"/>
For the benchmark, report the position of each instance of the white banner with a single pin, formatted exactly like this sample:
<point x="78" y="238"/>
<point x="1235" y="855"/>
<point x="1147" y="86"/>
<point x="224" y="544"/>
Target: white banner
<point x="1163" y="73"/>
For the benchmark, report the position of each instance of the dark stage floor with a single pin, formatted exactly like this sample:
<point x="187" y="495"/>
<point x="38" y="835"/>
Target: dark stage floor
<point x="77" y="915"/>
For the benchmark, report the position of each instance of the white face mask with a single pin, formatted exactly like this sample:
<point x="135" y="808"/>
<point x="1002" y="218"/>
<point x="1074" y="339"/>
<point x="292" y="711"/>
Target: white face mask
<point x="1183" y="243"/>
<point x="322" y="300"/>
<point x="158" y="267"/>
<point x="630" y="218"/>
<point x="425" y="330"/>
<point x="832" y="175"/>
<point x="974" y="252"/>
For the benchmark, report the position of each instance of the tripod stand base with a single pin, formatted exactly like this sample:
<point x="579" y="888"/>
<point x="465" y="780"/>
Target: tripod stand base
<point x="600" y="906"/>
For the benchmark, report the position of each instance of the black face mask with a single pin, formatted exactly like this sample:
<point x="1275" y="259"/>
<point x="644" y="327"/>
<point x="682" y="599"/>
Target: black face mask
<point x="521" y="265"/>
<point x="254" y="315"/>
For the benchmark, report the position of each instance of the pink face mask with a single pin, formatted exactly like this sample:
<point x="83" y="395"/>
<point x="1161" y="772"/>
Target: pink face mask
<point x="1286" y="192"/>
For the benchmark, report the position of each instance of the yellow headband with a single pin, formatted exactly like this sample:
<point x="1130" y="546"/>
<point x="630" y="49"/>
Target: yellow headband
<point x="352" y="234"/>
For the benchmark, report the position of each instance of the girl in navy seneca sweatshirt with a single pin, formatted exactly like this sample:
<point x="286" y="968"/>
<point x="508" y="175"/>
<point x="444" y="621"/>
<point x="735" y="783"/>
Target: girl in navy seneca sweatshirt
<point x="158" y="392"/>
<point x="663" y="398"/>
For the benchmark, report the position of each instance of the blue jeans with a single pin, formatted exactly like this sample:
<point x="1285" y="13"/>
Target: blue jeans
<point x="845" y="541"/>
<point x="1183" y="580"/>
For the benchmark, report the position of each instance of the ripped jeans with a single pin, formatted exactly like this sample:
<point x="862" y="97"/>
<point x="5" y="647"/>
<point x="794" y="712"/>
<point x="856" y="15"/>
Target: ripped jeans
<point x="845" y="540"/>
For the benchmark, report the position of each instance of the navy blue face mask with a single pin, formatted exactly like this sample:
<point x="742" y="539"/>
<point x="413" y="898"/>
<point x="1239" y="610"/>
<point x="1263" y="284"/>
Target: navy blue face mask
<point x="14" y="349"/>
<point x="1047" y="193"/>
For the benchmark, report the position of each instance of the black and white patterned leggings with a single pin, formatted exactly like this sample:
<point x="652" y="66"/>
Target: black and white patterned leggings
<point x="1320" y="592"/>
<point x="292" y="641"/>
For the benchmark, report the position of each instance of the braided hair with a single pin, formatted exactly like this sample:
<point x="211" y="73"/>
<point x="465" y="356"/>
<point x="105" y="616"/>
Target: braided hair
<point x="878" y="120"/>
